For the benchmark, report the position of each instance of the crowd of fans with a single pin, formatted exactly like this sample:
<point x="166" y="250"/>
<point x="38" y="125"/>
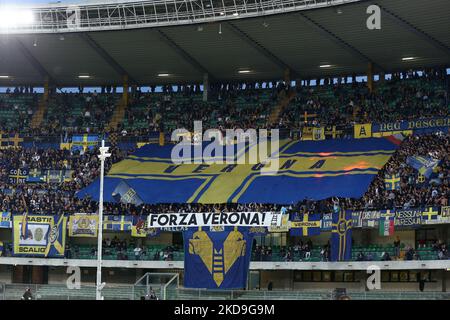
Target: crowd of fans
<point x="406" y="95"/>
<point x="48" y="197"/>
<point x="45" y="197"/>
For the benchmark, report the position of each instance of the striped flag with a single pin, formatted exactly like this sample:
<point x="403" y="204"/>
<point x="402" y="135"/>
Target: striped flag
<point x="386" y="223"/>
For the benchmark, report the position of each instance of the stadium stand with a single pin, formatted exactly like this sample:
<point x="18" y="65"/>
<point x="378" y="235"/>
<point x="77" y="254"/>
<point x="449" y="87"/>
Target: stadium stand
<point x="53" y="116"/>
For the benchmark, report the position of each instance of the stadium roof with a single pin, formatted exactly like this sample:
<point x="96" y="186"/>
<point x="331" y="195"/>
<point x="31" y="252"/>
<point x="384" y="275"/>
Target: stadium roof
<point x="328" y="41"/>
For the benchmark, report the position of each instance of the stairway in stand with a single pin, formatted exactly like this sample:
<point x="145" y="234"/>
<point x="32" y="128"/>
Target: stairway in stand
<point x="118" y="115"/>
<point x="284" y="100"/>
<point x="38" y="116"/>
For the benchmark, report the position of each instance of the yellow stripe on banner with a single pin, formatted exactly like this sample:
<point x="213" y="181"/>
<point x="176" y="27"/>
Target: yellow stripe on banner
<point x="199" y="189"/>
<point x="390" y="133"/>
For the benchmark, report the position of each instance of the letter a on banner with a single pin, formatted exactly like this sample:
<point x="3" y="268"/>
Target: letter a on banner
<point x="363" y="130"/>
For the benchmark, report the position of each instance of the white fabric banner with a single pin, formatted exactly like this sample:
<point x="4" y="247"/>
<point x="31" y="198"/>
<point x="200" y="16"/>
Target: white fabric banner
<point x="211" y="219"/>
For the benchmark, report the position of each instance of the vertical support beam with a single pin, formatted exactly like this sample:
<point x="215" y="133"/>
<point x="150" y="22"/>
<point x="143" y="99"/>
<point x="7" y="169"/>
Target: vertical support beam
<point x="382" y="77"/>
<point x="125" y="90"/>
<point x="287" y="76"/>
<point x="370" y="76"/>
<point x="46" y="88"/>
<point x="205" y="87"/>
<point x="161" y="138"/>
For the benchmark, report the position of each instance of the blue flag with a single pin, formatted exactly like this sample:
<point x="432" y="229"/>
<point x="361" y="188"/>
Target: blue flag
<point x="430" y="214"/>
<point x="5" y="220"/>
<point x="424" y="165"/>
<point x="125" y="194"/>
<point x="117" y="223"/>
<point x="305" y="224"/>
<point x="36" y="176"/>
<point x="84" y="141"/>
<point x="341" y="236"/>
<point x="217" y="260"/>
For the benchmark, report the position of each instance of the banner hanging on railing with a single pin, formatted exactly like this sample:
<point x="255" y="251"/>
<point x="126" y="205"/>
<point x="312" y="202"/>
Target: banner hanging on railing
<point x="208" y="219"/>
<point x="83" y="225"/>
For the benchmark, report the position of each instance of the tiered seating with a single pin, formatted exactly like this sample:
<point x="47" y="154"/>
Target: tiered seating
<point x="86" y="252"/>
<point x="376" y="251"/>
<point x="14" y="110"/>
<point x="68" y="110"/>
<point x="315" y="256"/>
<point x="392" y="101"/>
<point x="176" y="110"/>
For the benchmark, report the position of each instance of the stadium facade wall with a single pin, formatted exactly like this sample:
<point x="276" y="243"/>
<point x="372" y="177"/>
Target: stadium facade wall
<point x="368" y="236"/>
<point x="360" y="286"/>
<point x="279" y="279"/>
<point x="58" y="275"/>
<point x="284" y="280"/>
<point x="5" y="274"/>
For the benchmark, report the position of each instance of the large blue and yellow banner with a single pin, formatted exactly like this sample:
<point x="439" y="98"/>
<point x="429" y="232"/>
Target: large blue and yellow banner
<point x="306" y="169"/>
<point x="39" y="235"/>
<point x="217" y="260"/>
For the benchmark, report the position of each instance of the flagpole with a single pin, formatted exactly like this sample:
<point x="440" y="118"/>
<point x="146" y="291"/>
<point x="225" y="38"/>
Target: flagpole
<point x="102" y="156"/>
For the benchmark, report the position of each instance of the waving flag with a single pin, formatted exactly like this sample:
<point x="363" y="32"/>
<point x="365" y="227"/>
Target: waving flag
<point x="424" y="165"/>
<point x="306" y="169"/>
<point x="125" y="194"/>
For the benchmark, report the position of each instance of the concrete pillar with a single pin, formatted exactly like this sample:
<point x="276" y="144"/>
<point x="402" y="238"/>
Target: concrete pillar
<point x="287" y="76"/>
<point x="370" y="77"/>
<point x="125" y="89"/>
<point x="46" y="88"/>
<point x="382" y="77"/>
<point x="205" y="87"/>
